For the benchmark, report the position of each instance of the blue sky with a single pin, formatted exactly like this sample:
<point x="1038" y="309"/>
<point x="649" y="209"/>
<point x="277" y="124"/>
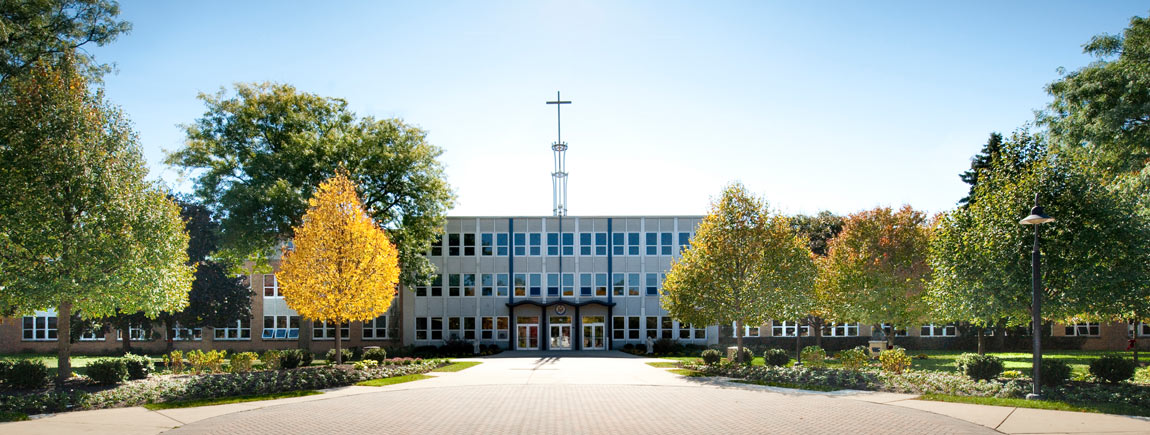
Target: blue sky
<point x="815" y="105"/>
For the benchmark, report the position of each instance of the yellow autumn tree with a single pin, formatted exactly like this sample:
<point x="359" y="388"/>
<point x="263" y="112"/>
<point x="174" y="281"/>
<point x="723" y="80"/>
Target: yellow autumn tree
<point x="342" y="267"/>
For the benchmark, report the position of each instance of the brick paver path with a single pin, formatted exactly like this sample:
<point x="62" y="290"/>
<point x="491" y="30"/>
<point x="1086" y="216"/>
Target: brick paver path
<point x="535" y="395"/>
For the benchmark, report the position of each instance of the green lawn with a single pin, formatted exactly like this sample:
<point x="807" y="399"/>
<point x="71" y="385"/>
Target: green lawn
<point x="1103" y="408"/>
<point x="664" y="365"/>
<point x="393" y="380"/>
<point x="12" y="416"/>
<point x="227" y="400"/>
<point x="457" y="366"/>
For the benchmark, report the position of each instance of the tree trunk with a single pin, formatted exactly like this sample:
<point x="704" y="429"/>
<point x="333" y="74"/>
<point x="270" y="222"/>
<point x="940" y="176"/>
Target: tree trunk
<point x="889" y="337"/>
<point x="338" y="339"/>
<point x="798" y="344"/>
<point x="1000" y="337"/>
<point x="63" y="343"/>
<point x="818" y="331"/>
<point x="738" y="341"/>
<point x="169" y="333"/>
<point x="981" y="340"/>
<point x="126" y="337"/>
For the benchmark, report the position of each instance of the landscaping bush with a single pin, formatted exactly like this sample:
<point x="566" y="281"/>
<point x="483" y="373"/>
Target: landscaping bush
<point x="813" y="356"/>
<point x="138" y="366"/>
<point x="1011" y="374"/>
<point x="854" y="359"/>
<point x="894" y="360"/>
<point x="1112" y="369"/>
<point x="174" y="361"/>
<point x="293" y="358"/>
<point x="26" y="375"/>
<point x="378" y="355"/>
<point x="271" y="359"/>
<point x="628" y="347"/>
<point x="776" y="357"/>
<point x="107" y="371"/>
<point x="1142" y="375"/>
<point x="711" y="356"/>
<point x="640" y="349"/>
<point x="1054" y="372"/>
<point x="356" y="353"/>
<point x="242" y="362"/>
<point x="5" y="366"/>
<point x="211" y="361"/>
<point x="366" y="364"/>
<point x="457" y="347"/>
<point x="744" y="356"/>
<point x="979" y="367"/>
<point x="665" y="346"/>
<point x="330" y="356"/>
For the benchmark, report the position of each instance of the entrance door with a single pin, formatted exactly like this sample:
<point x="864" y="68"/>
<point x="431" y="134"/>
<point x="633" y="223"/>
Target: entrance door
<point x="593" y="328"/>
<point x="560" y="334"/>
<point x="527" y="333"/>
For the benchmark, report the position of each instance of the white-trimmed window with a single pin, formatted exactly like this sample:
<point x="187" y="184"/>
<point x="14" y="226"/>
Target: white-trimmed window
<point x="326" y="331"/>
<point x="271" y="286"/>
<point x="618" y="247"/>
<point x="568" y="284"/>
<point x="633" y="284"/>
<point x="487" y="284"/>
<point x="421" y="328"/>
<point x="501" y="284"/>
<point x="454" y="328"/>
<point x="281" y="328"/>
<point x="652" y="243"/>
<point x="625" y="327"/>
<point x="89" y="334"/>
<point x="487" y="328"/>
<point x="454" y="282"/>
<point x="586" y="284"/>
<point x="180" y="333"/>
<point x="436" y="328"/>
<point x="520" y="284"/>
<point x="553" y="284"/>
<point x="553" y="244"/>
<point x="1083" y="329"/>
<point x="137" y="333"/>
<point x="601" y="285"/>
<point x="690" y="332"/>
<point x="501" y="328"/>
<point x="453" y="245"/>
<point x="632" y="243"/>
<point x="748" y="331"/>
<point x="619" y="284"/>
<point x="652" y="284"/>
<point x="684" y="241"/>
<point x="520" y="244"/>
<point x="664" y="243"/>
<point x="469" y="328"/>
<point x="787" y="329"/>
<point x="437" y="246"/>
<point x="535" y="281"/>
<point x="1140" y="328"/>
<point x="469" y="244"/>
<point x="898" y="332"/>
<point x="938" y="331"/>
<point x="535" y="244"/>
<point x="375" y="329"/>
<point x="841" y="330"/>
<point x="437" y="285"/>
<point x="586" y="247"/>
<point x="651" y="323"/>
<point x="601" y="244"/>
<point x="666" y="328"/>
<point x="237" y="330"/>
<point x="487" y="244"/>
<point x="469" y="284"/>
<point x="501" y="244"/>
<point x="40" y="328"/>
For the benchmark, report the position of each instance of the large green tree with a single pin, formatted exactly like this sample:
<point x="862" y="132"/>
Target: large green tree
<point x="979" y="164"/>
<point x="818" y="230"/>
<point x="80" y="227"/>
<point x="260" y="154"/>
<point x="746" y="265"/>
<point x="48" y="31"/>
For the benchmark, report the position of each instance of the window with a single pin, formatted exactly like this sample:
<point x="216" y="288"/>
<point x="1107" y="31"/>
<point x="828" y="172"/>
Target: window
<point x="453" y="282"/>
<point x="487" y="328"/>
<point x="689" y="332"/>
<point x="469" y="284"/>
<point x="437" y="246"/>
<point x="619" y="285"/>
<point x="534" y="241"/>
<point x="652" y="284"/>
<point x="501" y="284"/>
<point x="841" y="330"/>
<point x="536" y="286"/>
<point x="326" y="331"/>
<point x="633" y="284"/>
<point x="585" y="284"/>
<point x="421" y="328"/>
<point x="136" y="332"/>
<point x="618" y="327"/>
<point x="237" y="330"/>
<point x="665" y="243"/>
<point x="375" y="329"/>
<point x="553" y="244"/>
<point x="501" y="244"/>
<point x="684" y="241"/>
<point x="600" y="243"/>
<point x="486" y="244"/>
<point x="520" y="284"/>
<point x="666" y="328"/>
<point x="1141" y="329"/>
<point x="900" y="332"/>
<point x="271" y="287"/>
<point x="487" y="282"/>
<point x="553" y="284"/>
<point x="40" y="328"/>
<point x="585" y="246"/>
<point x="652" y="243"/>
<point x="568" y="284"/>
<point x="652" y="324"/>
<point x="469" y="244"/>
<point x="938" y="331"/>
<point x="421" y="290"/>
<point x="617" y="245"/>
<point x="625" y="327"/>
<point x="520" y="244"/>
<point x="633" y="327"/>
<point x="748" y="331"/>
<point x="787" y="329"/>
<point x="468" y="328"/>
<point x="437" y="285"/>
<point x="568" y="244"/>
<point x="454" y="328"/>
<point x="180" y="333"/>
<point x="89" y="334"/>
<point x="632" y="243"/>
<point x="501" y="328"/>
<point x="1082" y="329"/>
<point x="281" y="328"/>
<point x="453" y="245"/>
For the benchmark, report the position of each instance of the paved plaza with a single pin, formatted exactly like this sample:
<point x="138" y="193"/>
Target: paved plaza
<point x="581" y="392"/>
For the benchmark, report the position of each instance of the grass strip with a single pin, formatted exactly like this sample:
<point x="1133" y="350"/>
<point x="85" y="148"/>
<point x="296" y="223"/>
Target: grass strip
<point x="457" y="366"/>
<point x="808" y="387"/>
<point x="687" y="372"/>
<point x="227" y="400"/>
<point x="1100" y="408"/>
<point x="393" y="380"/>
<point x="663" y="365"/>
<point x="12" y="416"/>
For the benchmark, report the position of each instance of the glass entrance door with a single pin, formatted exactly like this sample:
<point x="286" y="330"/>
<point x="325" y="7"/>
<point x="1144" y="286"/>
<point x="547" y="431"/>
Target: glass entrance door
<point x="527" y="333"/>
<point x="593" y="327"/>
<point x="560" y="334"/>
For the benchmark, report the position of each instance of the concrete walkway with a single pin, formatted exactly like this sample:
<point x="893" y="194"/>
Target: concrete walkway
<point x="581" y="392"/>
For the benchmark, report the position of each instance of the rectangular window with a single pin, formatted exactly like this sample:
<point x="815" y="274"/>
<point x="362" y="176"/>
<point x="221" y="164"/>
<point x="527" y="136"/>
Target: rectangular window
<point x="40" y="328"/>
<point x="501" y="244"/>
<point x="619" y="284"/>
<point x="938" y="331"/>
<point x="600" y="243"/>
<point x="665" y="243"/>
<point x="520" y="284"/>
<point x="536" y="287"/>
<point x="421" y="290"/>
<point x="501" y="284"/>
<point x="617" y="245"/>
<point x="689" y="332"/>
<point x="453" y="283"/>
<point x="501" y="328"/>
<point x="585" y="284"/>
<point x="553" y="284"/>
<point x="652" y="284"/>
<point x="436" y="328"/>
<point x="1083" y="330"/>
<point x="553" y="244"/>
<point x="520" y="244"/>
<point x="89" y="334"/>
<point x="487" y="328"/>
<point x="568" y="244"/>
<point x="237" y="330"/>
<point x="666" y="328"/>
<point x="652" y="243"/>
<point x="271" y="287"/>
<point x="619" y="327"/>
<point x="326" y="331"/>
<point x="632" y="243"/>
<point x="601" y="285"/>
<point x="454" y="328"/>
<point x="787" y="329"/>
<point x="375" y="329"/>
<point x="899" y="332"/>
<point x="488" y="284"/>
<point x="568" y="284"/>
<point x="633" y="327"/>
<point x="652" y="324"/>
<point x="585" y="246"/>
<point x="437" y="246"/>
<point x="180" y="333"/>
<point x="280" y="328"/>
<point x="437" y="285"/>
<point x="487" y="244"/>
<point x="468" y="328"/>
<point x="1141" y="329"/>
<point x="633" y="284"/>
<point x="684" y="241"/>
<point x="469" y="284"/>
<point x="421" y="328"/>
<point x="841" y="330"/>
<point x="534" y="242"/>
<point x="453" y="245"/>
<point x="469" y="244"/>
<point x="137" y="332"/>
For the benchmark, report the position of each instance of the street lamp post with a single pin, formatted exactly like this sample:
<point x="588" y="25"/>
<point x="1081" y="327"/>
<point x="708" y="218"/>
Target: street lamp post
<point x="1036" y="217"/>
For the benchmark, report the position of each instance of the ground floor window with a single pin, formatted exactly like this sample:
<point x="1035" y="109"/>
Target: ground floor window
<point x="180" y="333"/>
<point x="1141" y="329"/>
<point x="689" y="332"/>
<point x="39" y="328"/>
<point x="281" y="328"/>
<point x="787" y="329"/>
<point x="136" y="332"/>
<point x="652" y="324"/>
<point x="469" y="328"/>
<point x="326" y="331"/>
<point x="625" y="327"/>
<point x="1083" y="329"/>
<point x="748" y="331"/>
<point x="666" y="328"/>
<point x="898" y="332"/>
<point x="494" y="328"/>
<point x="92" y="334"/>
<point x="841" y="330"/>
<point x="375" y="329"/>
<point x="938" y="331"/>
<point x="238" y="330"/>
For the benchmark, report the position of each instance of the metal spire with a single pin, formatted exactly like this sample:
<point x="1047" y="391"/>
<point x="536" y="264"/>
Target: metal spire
<point x="559" y="176"/>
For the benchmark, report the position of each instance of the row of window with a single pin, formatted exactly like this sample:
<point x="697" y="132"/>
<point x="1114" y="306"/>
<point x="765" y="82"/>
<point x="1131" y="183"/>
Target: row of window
<point x="787" y="329"/>
<point x="531" y="244"/>
<point x="628" y="328"/>
<point x="456" y="328"/>
<point x="531" y="284"/>
<point x="43" y="328"/>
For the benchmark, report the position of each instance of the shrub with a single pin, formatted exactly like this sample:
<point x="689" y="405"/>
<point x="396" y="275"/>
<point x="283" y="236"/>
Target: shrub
<point x="207" y="362"/>
<point x="27" y="374"/>
<point x="745" y="356"/>
<point x="628" y="347"/>
<point x="356" y="353"/>
<point x="271" y="359"/>
<point x="139" y="366"/>
<point x="107" y="371"/>
<point x="174" y="361"/>
<point x="457" y="347"/>
<point x="1055" y="372"/>
<point x="1112" y="368"/>
<point x="5" y="366"/>
<point x="854" y="359"/>
<point x="378" y="355"/>
<point x="979" y="367"/>
<point x="894" y="360"/>
<point x="776" y="357"/>
<point x="330" y="356"/>
<point x="711" y="356"/>
<point x="1142" y="375"/>
<point x="1011" y="374"/>
<point x="813" y="356"/>
<point x="293" y="358"/>
<point x="366" y="364"/>
<point x="640" y="348"/>
<point x="664" y="346"/>
<point x="242" y="362"/>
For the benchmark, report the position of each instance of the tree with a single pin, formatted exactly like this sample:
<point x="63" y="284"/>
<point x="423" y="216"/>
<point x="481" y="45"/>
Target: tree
<point x="262" y="153"/>
<point x="49" y="31"/>
<point x="979" y="164"/>
<point x="746" y="265"/>
<point x="80" y="227"/>
<point x="342" y="267"/>
<point x="818" y="230"/>
<point x="876" y="269"/>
